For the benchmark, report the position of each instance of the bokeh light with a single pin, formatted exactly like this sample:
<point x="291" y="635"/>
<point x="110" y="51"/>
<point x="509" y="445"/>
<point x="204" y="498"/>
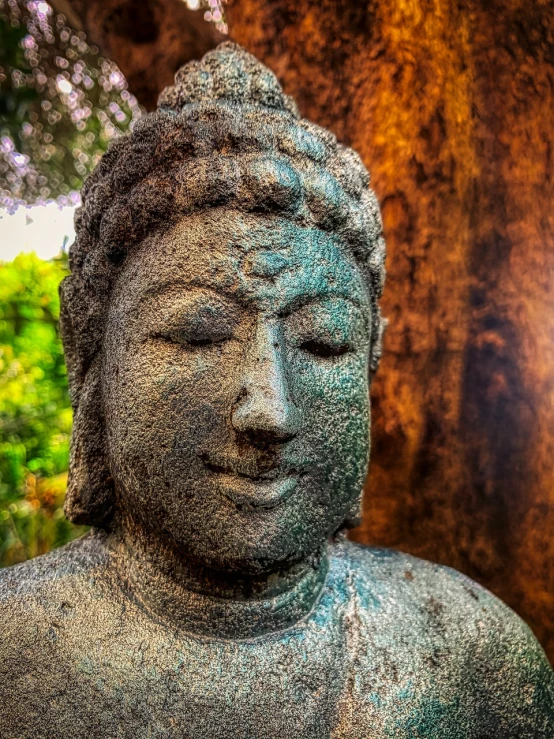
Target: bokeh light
<point x="61" y="103"/>
<point x="213" y="12"/>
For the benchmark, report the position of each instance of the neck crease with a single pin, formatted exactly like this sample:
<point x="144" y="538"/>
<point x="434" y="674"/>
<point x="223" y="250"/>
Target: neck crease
<point x="179" y="593"/>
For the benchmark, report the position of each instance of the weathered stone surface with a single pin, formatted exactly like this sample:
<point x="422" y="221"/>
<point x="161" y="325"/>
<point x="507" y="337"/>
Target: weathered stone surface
<point x="221" y="328"/>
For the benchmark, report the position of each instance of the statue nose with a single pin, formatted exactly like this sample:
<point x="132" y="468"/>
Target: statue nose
<point x="265" y="410"/>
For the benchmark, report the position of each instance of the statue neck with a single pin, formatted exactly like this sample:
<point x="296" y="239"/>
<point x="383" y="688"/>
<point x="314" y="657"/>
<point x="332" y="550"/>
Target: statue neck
<point x="180" y="593"/>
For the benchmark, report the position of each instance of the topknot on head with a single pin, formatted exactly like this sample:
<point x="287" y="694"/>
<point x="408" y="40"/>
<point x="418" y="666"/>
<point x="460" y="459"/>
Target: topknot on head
<point x="227" y="74"/>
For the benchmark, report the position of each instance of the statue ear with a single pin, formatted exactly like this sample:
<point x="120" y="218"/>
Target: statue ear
<point x="377" y="344"/>
<point x="354" y="515"/>
<point x="90" y="496"/>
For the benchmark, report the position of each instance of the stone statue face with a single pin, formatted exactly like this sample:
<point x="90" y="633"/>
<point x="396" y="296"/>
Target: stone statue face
<point x="235" y="383"/>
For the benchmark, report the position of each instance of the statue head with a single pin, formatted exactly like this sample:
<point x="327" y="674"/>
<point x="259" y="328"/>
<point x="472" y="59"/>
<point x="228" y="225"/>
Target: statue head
<point x="221" y="324"/>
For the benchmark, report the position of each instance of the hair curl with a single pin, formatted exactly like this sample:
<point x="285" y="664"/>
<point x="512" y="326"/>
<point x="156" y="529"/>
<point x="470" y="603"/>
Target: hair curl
<point x="224" y="135"/>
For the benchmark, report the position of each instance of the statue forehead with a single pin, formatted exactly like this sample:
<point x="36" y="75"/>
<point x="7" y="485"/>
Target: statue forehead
<point x="251" y="256"/>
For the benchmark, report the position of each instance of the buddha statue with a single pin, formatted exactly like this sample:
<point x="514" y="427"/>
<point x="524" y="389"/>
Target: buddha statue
<point x="221" y="328"/>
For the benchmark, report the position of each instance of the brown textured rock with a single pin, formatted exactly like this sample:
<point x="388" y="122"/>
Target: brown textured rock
<point x="451" y="105"/>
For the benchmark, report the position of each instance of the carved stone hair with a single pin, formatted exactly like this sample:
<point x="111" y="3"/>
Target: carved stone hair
<point x="224" y="135"/>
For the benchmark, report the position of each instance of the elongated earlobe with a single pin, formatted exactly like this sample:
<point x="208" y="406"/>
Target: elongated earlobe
<point x="90" y="493"/>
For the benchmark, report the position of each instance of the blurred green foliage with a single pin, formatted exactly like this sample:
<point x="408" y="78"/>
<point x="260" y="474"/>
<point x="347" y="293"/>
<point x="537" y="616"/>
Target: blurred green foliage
<point x="35" y="412"/>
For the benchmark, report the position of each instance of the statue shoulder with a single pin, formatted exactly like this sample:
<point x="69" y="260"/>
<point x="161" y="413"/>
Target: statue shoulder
<point x="46" y="606"/>
<point x="48" y="585"/>
<point x="464" y="632"/>
<point x="444" y="594"/>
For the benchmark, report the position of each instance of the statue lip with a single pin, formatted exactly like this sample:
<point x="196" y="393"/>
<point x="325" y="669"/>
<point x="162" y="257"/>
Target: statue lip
<point x="249" y="484"/>
<point x="252" y="469"/>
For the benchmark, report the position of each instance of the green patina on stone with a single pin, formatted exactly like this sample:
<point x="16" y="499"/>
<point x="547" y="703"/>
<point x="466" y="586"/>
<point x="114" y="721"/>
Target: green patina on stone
<point x="268" y="264"/>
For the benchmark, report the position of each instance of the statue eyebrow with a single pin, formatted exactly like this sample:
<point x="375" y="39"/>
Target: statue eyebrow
<point x="186" y="285"/>
<point x="301" y="301"/>
<point x="295" y="304"/>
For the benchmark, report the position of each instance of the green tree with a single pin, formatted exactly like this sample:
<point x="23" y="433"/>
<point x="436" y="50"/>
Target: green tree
<point x="61" y="103"/>
<point x="35" y="412"/>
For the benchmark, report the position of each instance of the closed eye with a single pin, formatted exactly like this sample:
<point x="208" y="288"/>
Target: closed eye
<point x="206" y="341"/>
<point x="325" y="350"/>
<point x="192" y="341"/>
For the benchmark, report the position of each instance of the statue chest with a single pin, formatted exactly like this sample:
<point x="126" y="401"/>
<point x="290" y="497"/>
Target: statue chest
<point x="279" y="687"/>
<point x="322" y="678"/>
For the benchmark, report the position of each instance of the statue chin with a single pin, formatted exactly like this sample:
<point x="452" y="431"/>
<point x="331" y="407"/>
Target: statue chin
<point x="235" y="542"/>
<point x="221" y="327"/>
